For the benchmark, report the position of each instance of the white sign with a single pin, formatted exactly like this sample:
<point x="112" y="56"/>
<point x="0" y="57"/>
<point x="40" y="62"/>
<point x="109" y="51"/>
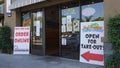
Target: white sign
<point x="63" y="28"/>
<point x="76" y="25"/>
<point x="91" y="47"/>
<point x="21" y="40"/>
<point x="64" y="42"/>
<point x="37" y="31"/>
<point x="64" y="22"/>
<point x="69" y="23"/>
<point x="37" y="23"/>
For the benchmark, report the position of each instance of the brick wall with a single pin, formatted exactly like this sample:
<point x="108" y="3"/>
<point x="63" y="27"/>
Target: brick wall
<point x="12" y="20"/>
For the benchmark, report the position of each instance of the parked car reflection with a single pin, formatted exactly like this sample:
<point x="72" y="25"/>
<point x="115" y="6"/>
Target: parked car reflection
<point x="73" y="39"/>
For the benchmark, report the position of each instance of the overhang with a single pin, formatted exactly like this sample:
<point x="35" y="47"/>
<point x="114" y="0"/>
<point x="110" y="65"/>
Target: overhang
<point x="22" y="3"/>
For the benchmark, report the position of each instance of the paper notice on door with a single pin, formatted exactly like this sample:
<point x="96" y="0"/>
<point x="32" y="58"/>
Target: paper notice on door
<point x="69" y="23"/>
<point x="34" y="23"/>
<point x="37" y="24"/>
<point x="37" y="31"/>
<point x="63" y="41"/>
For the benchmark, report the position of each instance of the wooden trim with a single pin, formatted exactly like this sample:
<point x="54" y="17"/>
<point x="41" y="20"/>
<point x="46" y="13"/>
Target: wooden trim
<point x="43" y="5"/>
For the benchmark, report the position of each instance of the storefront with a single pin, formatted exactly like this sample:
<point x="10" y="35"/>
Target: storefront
<point x="72" y="15"/>
<point x="55" y="25"/>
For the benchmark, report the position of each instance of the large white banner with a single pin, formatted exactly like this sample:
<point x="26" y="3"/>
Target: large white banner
<point x="21" y="40"/>
<point x="91" y="47"/>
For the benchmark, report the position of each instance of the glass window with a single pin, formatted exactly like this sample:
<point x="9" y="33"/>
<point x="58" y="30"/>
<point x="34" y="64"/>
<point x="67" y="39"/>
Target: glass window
<point x="71" y="16"/>
<point x="93" y="12"/>
<point x="70" y="32"/>
<point x="34" y="20"/>
<point x="37" y="19"/>
<point x="26" y="19"/>
<point x="70" y="23"/>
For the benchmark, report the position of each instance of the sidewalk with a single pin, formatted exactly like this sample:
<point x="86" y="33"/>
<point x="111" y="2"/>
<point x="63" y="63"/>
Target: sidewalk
<point x="31" y="61"/>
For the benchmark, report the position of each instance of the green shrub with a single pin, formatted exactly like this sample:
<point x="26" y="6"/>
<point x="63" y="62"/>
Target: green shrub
<point x="114" y="38"/>
<point x="109" y="62"/>
<point x="5" y="42"/>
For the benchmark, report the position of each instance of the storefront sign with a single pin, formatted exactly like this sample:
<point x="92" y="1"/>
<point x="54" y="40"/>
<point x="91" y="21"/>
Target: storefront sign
<point x="91" y="47"/>
<point x="21" y="40"/>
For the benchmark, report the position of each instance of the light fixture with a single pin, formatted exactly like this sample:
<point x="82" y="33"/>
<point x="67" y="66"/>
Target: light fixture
<point x="93" y="2"/>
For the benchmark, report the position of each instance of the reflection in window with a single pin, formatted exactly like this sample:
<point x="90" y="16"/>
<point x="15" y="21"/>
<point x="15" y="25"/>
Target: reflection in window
<point x="70" y="25"/>
<point x="37" y="28"/>
<point x="34" y="20"/>
<point x="70" y="19"/>
<point x="26" y="19"/>
<point x="93" y="12"/>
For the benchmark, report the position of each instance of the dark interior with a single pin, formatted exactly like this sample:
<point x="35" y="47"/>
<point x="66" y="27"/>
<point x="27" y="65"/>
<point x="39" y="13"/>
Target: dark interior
<point x="71" y="49"/>
<point x="52" y="30"/>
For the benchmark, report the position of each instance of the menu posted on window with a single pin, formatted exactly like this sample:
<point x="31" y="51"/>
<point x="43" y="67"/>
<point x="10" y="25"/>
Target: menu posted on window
<point x="91" y="46"/>
<point x="21" y="40"/>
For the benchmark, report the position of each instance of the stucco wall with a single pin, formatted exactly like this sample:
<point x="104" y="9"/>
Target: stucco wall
<point x="111" y="8"/>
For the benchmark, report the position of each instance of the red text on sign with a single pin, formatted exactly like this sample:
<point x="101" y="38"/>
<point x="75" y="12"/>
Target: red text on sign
<point x="21" y="40"/>
<point x="21" y="33"/>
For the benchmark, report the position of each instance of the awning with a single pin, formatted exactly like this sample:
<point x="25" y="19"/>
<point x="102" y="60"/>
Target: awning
<point x="22" y="3"/>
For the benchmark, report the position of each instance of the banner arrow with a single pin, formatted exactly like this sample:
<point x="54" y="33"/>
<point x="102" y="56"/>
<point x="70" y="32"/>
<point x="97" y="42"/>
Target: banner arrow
<point x="89" y="56"/>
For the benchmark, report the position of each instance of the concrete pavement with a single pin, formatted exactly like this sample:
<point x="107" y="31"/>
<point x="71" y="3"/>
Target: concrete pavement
<point x="32" y="61"/>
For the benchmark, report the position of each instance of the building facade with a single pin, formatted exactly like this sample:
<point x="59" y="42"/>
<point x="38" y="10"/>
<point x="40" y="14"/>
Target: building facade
<point x="47" y="19"/>
<point x="1" y="12"/>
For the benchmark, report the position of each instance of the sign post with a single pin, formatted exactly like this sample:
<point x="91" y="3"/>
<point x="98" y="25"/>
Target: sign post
<point x="91" y="47"/>
<point x="21" y="40"/>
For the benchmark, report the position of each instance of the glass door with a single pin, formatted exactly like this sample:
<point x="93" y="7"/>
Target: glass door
<point x="70" y="29"/>
<point x="35" y="21"/>
<point x="37" y="28"/>
<point x="37" y="47"/>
